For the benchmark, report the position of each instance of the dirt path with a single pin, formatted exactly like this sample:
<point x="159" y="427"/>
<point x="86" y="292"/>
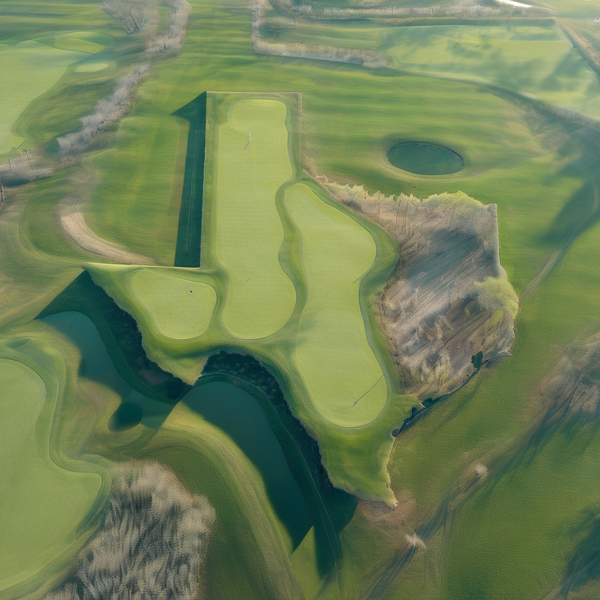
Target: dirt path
<point x="73" y="223"/>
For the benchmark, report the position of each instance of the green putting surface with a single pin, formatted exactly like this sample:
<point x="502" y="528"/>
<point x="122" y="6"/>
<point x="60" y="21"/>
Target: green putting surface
<point x="252" y="163"/>
<point x="179" y="305"/>
<point x="333" y="355"/>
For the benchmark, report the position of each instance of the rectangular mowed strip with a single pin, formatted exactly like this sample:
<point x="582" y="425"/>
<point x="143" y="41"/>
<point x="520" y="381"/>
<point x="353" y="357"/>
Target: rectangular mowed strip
<point x="245" y="230"/>
<point x="343" y="377"/>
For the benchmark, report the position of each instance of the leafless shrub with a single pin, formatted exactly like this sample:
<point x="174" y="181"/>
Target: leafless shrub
<point x="366" y="58"/>
<point x="134" y="15"/>
<point x="151" y="545"/>
<point x="106" y="111"/>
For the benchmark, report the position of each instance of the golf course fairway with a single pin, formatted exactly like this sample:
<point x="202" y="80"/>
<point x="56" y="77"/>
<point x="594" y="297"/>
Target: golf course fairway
<point x="287" y="275"/>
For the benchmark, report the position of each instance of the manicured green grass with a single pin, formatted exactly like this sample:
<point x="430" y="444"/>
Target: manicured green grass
<point x="533" y="60"/>
<point x="332" y="352"/>
<point x="138" y="205"/>
<point x="328" y="352"/>
<point x="32" y="69"/>
<point x="252" y="162"/>
<point x="46" y="501"/>
<point x="180" y="306"/>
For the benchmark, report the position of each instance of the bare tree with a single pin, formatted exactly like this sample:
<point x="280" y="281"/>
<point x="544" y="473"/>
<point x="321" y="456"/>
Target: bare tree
<point x="151" y="545"/>
<point x="134" y="15"/>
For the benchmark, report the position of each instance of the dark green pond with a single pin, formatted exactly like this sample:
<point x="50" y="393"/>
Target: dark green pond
<point x="424" y="158"/>
<point x="221" y="403"/>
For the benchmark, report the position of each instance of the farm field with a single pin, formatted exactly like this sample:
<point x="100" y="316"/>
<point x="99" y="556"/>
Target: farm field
<point x="219" y="306"/>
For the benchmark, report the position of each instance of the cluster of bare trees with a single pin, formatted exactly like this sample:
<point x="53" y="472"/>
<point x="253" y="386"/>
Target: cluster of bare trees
<point x="112" y="108"/>
<point x="134" y="15"/>
<point x="107" y="110"/>
<point x="366" y="58"/>
<point x="152" y="544"/>
<point x="174" y="38"/>
<point x="449" y="298"/>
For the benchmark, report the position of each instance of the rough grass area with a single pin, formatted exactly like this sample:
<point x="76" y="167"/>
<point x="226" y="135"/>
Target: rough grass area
<point x="332" y="353"/>
<point x="79" y="41"/>
<point x="247" y="532"/>
<point x="252" y="162"/>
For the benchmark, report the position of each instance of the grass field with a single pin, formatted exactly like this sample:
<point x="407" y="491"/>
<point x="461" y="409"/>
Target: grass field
<point x="332" y="352"/>
<point x="47" y="501"/>
<point x="179" y="305"/>
<point x="32" y="69"/>
<point x="248" y="538"/>
<point x="534" y="60"/>
<point x="339" y="382"/>
<point x="248" y="232"/>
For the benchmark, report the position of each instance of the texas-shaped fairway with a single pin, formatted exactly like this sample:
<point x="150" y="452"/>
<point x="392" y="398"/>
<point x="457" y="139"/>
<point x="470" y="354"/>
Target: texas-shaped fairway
<point x="287" y="275"/>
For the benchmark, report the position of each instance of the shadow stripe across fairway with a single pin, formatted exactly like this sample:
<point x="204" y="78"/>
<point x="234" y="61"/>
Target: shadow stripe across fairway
<point x="336" y="362"/>
<point x="253" y="162"/>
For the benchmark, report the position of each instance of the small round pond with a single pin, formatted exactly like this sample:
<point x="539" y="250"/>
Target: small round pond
<point x="424" y="158"/>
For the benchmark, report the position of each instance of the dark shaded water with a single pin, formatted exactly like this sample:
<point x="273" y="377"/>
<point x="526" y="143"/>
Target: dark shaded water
<point x="221" y="403"/>
<point x="423" y="158"/>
